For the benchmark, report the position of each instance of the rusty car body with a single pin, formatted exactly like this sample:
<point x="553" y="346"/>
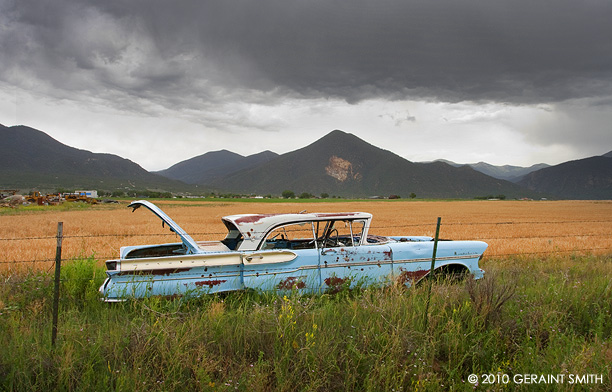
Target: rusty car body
<point x="307" y="252"/>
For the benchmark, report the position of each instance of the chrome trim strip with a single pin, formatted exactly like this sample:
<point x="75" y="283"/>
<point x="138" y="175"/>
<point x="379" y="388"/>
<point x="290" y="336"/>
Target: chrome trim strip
<point x="302" y="268"/>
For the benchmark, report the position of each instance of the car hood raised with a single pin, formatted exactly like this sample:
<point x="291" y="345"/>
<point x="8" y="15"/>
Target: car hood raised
<point x="190" y="243"/>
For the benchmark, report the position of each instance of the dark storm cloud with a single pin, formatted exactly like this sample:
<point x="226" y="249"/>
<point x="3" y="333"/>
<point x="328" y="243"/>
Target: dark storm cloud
<point x="514" y="51"/>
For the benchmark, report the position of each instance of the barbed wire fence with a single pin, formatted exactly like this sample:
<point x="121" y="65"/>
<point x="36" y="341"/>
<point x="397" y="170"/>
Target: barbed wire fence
<point x="60" y="238"/>
<point x="605" y="236"/>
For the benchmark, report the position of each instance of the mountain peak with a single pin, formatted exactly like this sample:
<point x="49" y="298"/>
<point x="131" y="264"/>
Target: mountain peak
<point x="336" y="136"/>
<point x="29" y="157"/>
<point x="205" y="168"/>
<point x="338" y="142"/>
<point x="342" y="164"/>
<point x="336" y="132"/>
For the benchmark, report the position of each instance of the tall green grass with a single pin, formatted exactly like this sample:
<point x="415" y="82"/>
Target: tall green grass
<point x="527" y="316"/>
<point x="36" y="209"/>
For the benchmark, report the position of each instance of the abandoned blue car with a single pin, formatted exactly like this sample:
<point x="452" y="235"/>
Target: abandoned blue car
<point x="306" y="252"/>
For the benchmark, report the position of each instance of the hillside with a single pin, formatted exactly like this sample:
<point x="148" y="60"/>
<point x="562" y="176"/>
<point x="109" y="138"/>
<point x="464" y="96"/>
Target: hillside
<point x="589" y="178"/>
<point x="344" y="165"/>
<point x="505" y="172"/>
<point x="30" y="158"/>
<point x="338" y="164"/>
<point x="207" y="167"/>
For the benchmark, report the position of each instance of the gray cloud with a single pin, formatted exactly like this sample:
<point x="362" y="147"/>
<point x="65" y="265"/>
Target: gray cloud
<point x="196" y="52"/>
<point x="581" y="124"/>
<point x="537" y="74"/>
<point x="398" y="118"/>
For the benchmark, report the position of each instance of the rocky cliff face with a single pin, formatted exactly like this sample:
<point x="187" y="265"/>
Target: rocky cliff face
<point x="341" y="169"/>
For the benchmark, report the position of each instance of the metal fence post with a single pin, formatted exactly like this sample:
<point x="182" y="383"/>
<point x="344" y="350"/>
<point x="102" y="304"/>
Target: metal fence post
<point x="431" y="271"/>
<point x="56" y="288"/>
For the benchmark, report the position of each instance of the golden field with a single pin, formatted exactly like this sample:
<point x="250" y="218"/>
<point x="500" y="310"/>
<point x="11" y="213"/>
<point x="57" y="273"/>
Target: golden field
<point x="509" y="227"/>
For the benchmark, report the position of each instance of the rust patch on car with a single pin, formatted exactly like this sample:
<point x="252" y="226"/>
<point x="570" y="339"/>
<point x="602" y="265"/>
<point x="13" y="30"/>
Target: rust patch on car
<point x="291" y="283"/>
<point x="334" y="284"/>
<point x="411" y="276"/>
<point x="253" y="218"/>
<point x="334" y="281"/>
<point x="210" y="283"/>
<point x="156" y="272"/>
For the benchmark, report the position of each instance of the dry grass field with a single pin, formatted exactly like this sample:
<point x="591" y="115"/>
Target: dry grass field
<point x="544" y="307"/>
<point x="509" y="227"/>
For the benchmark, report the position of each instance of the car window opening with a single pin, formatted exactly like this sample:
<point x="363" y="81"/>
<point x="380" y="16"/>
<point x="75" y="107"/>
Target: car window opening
<point x="234" y="237"/>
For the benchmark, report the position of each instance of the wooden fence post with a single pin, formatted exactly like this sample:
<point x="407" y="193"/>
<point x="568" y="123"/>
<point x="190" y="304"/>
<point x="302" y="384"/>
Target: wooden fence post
<point x="56" y="288"/>
<point x="431" y="271"/>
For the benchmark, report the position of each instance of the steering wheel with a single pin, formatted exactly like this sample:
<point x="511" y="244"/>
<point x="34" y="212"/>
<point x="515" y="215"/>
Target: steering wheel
<point x="282" y="237"/>
<point x="330" y="241"/>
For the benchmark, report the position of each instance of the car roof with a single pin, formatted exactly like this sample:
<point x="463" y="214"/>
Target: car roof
<point x="254" y="226"/>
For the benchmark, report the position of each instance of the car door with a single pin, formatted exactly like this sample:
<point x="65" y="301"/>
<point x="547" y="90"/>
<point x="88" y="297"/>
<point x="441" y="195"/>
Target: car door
<point x="346" y="261"/>
<point x="286" y="260"/>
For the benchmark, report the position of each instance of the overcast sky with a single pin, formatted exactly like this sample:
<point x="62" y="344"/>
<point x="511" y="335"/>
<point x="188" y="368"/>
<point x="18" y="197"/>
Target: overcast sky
<point x="503" y="81"/>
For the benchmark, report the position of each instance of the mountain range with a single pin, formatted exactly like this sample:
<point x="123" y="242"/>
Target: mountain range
<point x="589" y="178"/>
<point x="343" y="164"/>
<point x="338" y="164"/>
<point x="506" y="172"/>
<point x="30" y="158"/>
<point x="214" y="165"/>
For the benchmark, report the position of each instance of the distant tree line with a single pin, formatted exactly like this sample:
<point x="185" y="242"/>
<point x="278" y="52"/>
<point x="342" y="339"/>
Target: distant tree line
<point x="286" y="194"/>
<point x="489" y="197"/>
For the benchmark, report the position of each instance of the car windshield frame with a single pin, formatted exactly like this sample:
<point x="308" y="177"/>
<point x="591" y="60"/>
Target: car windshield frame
<point x="321" y="230"/>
